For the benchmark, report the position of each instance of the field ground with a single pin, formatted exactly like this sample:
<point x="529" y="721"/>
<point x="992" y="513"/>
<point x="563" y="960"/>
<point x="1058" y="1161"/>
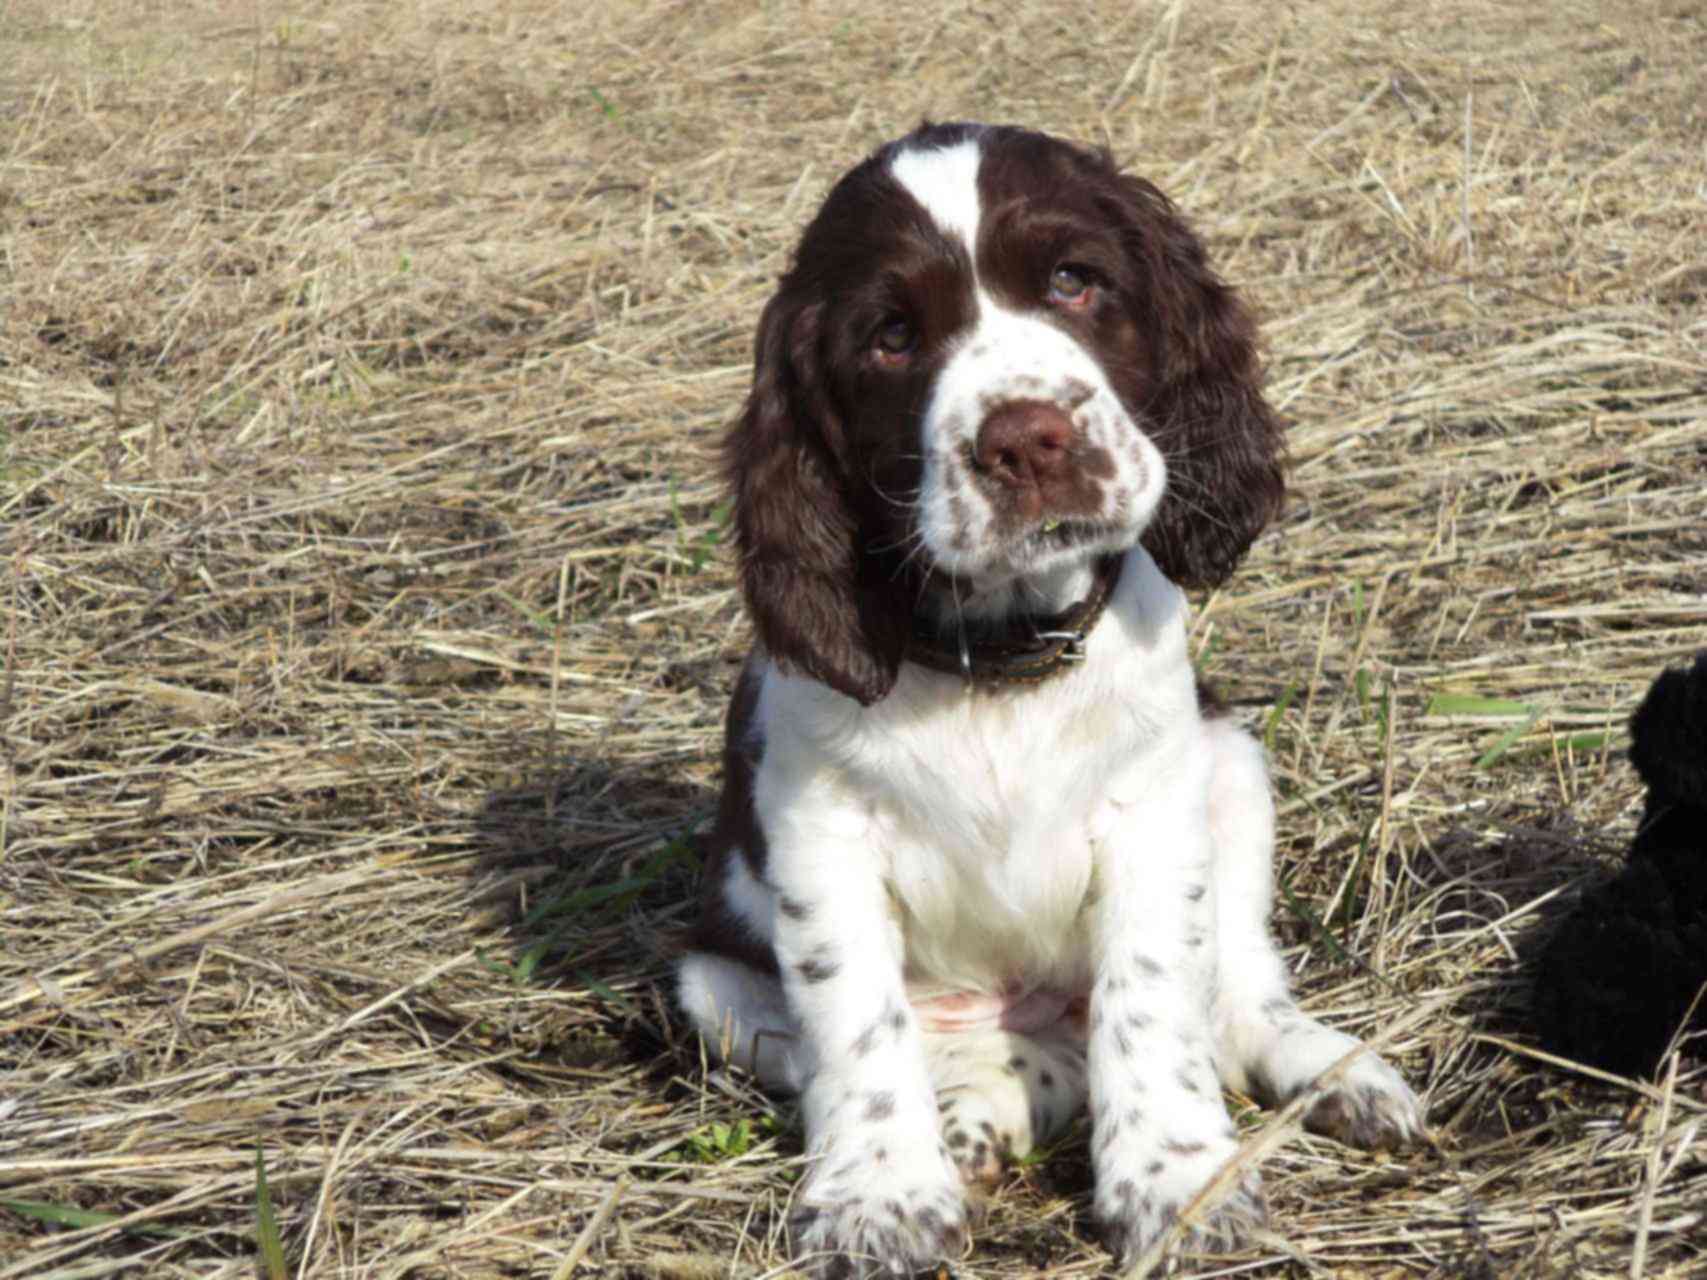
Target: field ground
<point x="367" y="625"/>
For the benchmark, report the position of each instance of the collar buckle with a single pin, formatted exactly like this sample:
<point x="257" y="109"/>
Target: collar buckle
<point x="1073" y="650"/>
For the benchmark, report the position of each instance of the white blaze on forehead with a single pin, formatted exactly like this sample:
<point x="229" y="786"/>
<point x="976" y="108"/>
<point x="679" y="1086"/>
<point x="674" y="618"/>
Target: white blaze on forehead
<point x="944" y="180"/>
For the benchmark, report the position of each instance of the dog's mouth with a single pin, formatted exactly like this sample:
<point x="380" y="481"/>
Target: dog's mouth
<point x="1021" y="547"/>
<point x="1048" y="543"/>
<point x="1056" y="533"/>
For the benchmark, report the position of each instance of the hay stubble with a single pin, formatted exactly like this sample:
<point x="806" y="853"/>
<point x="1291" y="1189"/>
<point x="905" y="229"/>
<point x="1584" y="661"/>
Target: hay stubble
<point x="367" y="627"/>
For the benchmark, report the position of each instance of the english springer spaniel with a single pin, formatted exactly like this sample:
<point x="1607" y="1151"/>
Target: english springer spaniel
<point x="985" y="851"/>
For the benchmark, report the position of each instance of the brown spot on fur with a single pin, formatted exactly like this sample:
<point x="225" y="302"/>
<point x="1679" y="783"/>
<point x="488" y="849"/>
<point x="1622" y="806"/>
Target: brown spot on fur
<point x="736" y="834"/>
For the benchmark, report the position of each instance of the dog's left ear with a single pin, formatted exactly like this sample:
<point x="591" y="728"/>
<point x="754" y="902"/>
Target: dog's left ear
<point x="1221" y="440"/>
<point x="820" y="605"/>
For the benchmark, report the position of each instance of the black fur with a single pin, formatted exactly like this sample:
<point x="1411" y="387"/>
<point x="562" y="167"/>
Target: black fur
<point x="1617" y="979"/>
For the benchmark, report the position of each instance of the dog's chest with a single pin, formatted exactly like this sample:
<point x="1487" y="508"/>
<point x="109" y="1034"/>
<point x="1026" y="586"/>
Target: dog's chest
<point x="986" y="823"/>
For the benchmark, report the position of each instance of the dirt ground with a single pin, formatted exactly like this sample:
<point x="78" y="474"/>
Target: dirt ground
<point x="367" y="617"/>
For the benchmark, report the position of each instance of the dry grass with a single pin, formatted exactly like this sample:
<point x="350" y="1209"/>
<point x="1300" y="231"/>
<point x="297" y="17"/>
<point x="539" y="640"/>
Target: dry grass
<point x="366" y="632"/>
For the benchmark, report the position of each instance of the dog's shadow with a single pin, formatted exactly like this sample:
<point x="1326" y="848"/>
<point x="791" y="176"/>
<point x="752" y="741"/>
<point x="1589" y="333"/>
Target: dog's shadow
<point x="591" y="875"/>
<point x="1534" y="866"/>
<point x="1516" y="881"/>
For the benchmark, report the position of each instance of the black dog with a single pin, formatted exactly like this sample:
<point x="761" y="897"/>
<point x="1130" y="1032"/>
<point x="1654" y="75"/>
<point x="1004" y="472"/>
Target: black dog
<point x="1618" y="978"/>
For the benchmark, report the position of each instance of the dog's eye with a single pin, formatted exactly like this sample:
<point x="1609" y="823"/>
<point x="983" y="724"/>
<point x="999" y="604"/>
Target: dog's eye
<point x="895" y="339"/>
<point x="1070" y="286"/>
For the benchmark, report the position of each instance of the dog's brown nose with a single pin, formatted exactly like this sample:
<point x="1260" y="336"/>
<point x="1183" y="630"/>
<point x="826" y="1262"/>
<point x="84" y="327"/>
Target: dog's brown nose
<point x="1024" y="444"/>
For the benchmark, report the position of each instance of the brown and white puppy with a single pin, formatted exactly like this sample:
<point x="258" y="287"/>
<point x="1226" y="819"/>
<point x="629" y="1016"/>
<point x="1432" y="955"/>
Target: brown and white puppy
<point x="982" y="855"/>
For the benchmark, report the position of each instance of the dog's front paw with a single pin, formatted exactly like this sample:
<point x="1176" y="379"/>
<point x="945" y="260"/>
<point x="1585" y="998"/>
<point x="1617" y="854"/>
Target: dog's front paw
<point x="1369" y="1106"/>
<point x="1138" y="1200"/>
<point x="879" y="1213"/>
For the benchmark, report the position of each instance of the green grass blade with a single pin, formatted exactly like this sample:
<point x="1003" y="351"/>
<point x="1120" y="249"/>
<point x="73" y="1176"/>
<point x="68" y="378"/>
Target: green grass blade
<point x="266" y="1226"/>
<point x="1271" y="726"/>
<point x="1504" y="742"/>
<point x="64" y="1215"/>
<point x="1317" y="928"/>
<point x="1591" y="740"/>
<point x="1468" y="704"/>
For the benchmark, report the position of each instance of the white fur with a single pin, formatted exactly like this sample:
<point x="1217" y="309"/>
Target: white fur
<point x="944" y="180"/>
<point x="1093" y="835"/>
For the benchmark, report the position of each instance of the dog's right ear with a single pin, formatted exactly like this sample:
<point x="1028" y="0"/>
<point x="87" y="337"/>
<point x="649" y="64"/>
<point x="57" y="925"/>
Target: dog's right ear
<point x="812" y="593"/>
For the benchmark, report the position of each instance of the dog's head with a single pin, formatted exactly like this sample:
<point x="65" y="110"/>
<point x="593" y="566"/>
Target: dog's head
<point x="995" y="357"/>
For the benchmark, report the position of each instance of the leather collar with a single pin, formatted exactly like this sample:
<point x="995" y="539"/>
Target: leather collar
<point x="1026" y="650"/>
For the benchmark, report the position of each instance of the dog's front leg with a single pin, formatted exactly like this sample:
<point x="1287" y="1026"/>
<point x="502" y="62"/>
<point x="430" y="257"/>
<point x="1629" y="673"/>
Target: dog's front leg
<point x="1160" y="1130"/>
<point x="882" y="1195"/>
